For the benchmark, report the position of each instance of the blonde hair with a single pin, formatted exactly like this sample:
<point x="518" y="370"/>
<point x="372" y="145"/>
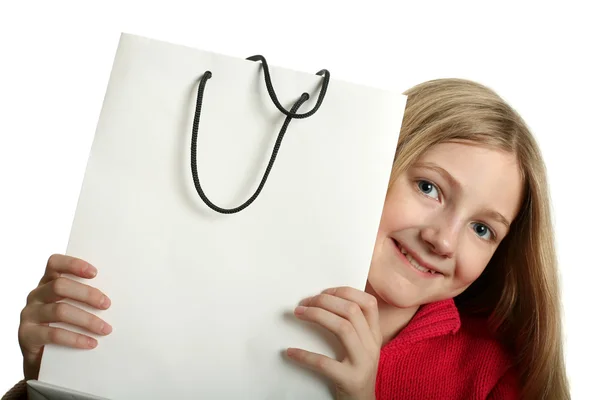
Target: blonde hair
<point x="518" y="291"/>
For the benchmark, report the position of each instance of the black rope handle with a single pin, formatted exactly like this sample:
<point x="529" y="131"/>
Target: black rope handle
<point x="271" y="91"/>
<point x="289" y="116"/>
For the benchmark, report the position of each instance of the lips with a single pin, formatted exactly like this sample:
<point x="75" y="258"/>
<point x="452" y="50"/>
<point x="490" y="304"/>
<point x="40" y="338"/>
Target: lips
<point x="416" y="264"/>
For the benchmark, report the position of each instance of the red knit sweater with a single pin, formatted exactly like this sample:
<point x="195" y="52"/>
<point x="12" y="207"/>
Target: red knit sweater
<point x="437" y="356"/>
<point x="441" y="356"/>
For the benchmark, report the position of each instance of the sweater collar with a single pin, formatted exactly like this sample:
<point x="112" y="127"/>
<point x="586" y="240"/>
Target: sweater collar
<point x="431" y="320"/>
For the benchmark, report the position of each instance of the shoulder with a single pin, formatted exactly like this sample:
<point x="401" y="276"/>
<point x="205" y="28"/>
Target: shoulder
<point x="490" y="363"/>
<point x="442" y="354"/>
<point x="507" y="387"/>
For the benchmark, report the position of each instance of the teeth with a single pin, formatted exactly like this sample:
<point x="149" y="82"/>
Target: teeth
<point x="415" y="264"/>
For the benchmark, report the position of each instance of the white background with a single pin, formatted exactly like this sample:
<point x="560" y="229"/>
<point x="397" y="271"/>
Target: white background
<point x="55" y="61"/>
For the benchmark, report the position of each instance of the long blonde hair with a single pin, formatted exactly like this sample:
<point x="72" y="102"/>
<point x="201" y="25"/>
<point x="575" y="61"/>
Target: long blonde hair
<point x="518" y="291"/>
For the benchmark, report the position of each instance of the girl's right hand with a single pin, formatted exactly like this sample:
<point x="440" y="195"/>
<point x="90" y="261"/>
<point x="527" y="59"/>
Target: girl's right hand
<point x="43" y="308"/>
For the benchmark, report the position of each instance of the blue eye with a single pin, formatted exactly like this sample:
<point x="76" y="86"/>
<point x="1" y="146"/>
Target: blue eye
<point x="428" y="189"/>
<point x="482" y="231"/>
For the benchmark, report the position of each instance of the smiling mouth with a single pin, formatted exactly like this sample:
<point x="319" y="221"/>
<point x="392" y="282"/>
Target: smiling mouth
<point x="414" y="262"/>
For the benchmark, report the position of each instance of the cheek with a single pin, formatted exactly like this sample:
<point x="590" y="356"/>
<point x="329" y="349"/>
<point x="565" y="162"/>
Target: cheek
<point x="470" y="267"/>
<point x="401" y="210"/>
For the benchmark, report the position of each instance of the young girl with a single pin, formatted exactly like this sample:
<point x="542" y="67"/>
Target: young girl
<point x="462" y="298"/>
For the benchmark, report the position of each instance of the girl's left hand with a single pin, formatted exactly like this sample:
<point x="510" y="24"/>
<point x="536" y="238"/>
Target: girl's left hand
<point x="352" y="315"/>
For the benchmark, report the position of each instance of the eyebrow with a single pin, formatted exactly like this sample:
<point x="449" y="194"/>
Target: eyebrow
<point x="439" y="170"/>
<point x="495" y="215"/>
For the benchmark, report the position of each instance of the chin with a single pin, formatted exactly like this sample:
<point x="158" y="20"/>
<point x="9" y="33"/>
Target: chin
<point x="397" y="291"/>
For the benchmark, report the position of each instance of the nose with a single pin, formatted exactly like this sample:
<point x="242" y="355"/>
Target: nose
<point x="441" y="238"/>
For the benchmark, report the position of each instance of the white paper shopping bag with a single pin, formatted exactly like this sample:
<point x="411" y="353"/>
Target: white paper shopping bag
<point x="202" y="300"/>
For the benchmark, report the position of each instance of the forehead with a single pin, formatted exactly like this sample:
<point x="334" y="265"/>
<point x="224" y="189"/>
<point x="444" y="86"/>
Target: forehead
<point x="488" y="177"/>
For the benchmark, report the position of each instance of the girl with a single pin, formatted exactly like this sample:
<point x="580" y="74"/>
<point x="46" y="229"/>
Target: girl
<point x="462" y="298"/>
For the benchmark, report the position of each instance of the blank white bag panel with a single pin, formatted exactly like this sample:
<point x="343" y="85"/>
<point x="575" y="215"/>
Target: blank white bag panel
<point x="202" y="302"/>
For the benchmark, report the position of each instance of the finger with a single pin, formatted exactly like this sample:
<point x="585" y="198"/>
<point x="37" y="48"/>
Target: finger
<point x="67" y="313"/>
<point x="339" y="326"/>
<point x="62" y="264"/>
<point x="40" y="335"/>
<point x="324" y="365"/>
<point x="367" y="303"/>
<point x="65" y="288"/>
<point x="348" y="310"/>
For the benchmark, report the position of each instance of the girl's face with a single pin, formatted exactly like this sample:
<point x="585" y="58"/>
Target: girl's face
<point x="442" y="221"/>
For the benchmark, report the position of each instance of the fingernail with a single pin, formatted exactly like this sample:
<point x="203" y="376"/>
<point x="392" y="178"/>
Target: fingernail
<point x="91" y="271"/>
<point x="106" y="329"/>
<point x="329" y="291"/>
<point x="105" y="303"/>
<point x="300" y="310"/>
<point x="291" y="351"/>
<point x="92" y="343"/>
<point x="306" y="301"/>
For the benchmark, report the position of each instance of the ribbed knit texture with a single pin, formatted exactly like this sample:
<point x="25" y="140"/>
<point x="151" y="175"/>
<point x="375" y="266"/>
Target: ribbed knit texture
<point x="443" y="357"/>
<point x="438" y="356"/>
<point x="18" y="392"/>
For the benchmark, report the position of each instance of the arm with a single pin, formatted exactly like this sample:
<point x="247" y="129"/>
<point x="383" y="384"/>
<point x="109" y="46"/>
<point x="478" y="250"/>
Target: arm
<point x="18" y="392"/>
<point x="507" y="387"/>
